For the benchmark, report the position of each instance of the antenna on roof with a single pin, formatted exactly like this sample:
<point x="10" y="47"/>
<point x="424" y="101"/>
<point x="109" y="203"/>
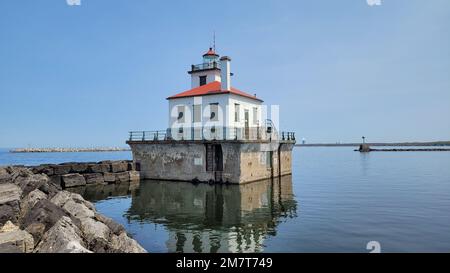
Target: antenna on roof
<point x="214" y="41"/>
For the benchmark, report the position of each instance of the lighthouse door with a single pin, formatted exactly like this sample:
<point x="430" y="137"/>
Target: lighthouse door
<point x="246" y="128"/>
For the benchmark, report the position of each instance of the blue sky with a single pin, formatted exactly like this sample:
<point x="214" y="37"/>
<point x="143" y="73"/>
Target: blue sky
<point x="86" y="75"/>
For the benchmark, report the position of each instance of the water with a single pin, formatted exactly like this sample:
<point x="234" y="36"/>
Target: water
<point x="336" y="200"/>
<point x="32" y="159"/>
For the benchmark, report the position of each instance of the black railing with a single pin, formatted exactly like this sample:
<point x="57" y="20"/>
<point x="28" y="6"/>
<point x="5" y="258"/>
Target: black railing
<point x="203" y="66"/>
<point x="212" y="133"/>
<point x="288" y="136"/>
<point x="148" y="135"/>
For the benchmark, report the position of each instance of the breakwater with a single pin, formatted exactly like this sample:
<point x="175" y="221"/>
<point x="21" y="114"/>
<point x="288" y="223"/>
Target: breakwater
<point x="68" y="150"/>
<point x="38" y="215"/>
<point x="364" y="148"/>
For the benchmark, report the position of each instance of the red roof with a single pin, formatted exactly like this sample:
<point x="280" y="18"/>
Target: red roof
<point x="210" y="52"/>
<point x="212" y="88"/>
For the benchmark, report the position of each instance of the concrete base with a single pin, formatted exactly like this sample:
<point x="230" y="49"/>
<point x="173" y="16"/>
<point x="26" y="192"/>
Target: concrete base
<point x="234" y="162"/>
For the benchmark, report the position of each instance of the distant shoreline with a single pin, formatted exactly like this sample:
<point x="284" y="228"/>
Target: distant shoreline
<point x="67" y="150"/>
<point x="433" y="143"/>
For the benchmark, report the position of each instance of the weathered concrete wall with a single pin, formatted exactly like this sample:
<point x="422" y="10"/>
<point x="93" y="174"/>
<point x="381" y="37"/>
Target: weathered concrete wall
<point x="186" y="161"/>
<point x="183" y="161"/>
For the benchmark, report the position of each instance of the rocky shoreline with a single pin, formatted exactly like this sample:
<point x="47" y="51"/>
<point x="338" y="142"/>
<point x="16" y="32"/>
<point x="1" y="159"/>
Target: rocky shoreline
<point x="38" y="215"/>
<point x="67" y="150"/>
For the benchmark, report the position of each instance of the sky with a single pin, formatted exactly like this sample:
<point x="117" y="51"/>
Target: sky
<point x="84" y="75"/>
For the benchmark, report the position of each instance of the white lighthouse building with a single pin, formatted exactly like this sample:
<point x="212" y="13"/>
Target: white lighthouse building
<point x="216" y="133"/>
<point x="212" y="108"/>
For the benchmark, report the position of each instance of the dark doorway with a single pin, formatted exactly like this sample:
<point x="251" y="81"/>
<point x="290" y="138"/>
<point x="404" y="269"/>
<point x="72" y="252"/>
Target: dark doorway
<point x="214" y="157"/>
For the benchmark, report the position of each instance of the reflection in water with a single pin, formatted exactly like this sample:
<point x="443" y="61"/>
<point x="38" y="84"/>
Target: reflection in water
<point x="210" y="218"/>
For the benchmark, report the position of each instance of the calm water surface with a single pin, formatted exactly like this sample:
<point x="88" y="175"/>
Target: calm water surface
<point x="336" y="200"/>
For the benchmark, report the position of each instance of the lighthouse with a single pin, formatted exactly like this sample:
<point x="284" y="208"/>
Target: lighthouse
<point x="216" y="133"/>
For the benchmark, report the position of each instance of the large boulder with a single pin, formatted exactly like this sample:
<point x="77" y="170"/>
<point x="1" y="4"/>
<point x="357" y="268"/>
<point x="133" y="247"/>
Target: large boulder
<point x="9" y="203"/>
<point x="16" y="172"/>
<point x="122" y="177"/>
<point x="43" y="169"/>
<point x="41" y="218"/>
<point x="74" y="204"/>
<point x="63" y="237"/>
<point x="31" y="182"/>
<point x="50" y="188"/>
<point x="94" y="178"/>
<point x="16" y="241"/>
<point x="109" y="178"/>
<point x="30" y="200"/>
<point x="99" y="168"/>
<point x="79" y="167"/>
<point x="4" y="176"/>
<point x="62" y="169"/>
<point x="124" y="244"/>
<point x="78" y="210"/>
<point x="96" y="234"/>
<point x="115" y="227"/>
<point x="72" y="180"/>
<point x="118" y="167"/>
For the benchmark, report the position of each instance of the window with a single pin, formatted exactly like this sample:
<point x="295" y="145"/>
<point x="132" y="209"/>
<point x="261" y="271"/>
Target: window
<point x="236" y="112"/>
<point x="180" y="114"/>
<point x="197" y="110"/>
<point x="255" y="115"/>
<point x="214" y="108"/>
<point x="202" y="80"/>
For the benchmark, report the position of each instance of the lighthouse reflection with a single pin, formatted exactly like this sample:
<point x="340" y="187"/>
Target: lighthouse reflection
<point x="214" y="218"/>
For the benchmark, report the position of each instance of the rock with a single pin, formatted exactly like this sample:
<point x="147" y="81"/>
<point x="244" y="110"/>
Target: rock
<point x="109" y="178"/>
<point x="41" y="218"/>
<point x="96" y="234"/>
<point x="122" y="177"/>
<point x="119" y="167"/>
<point x="31" y="182"/>
<point x="30" y="200"/>
<point x="134" y="175"/>
<point x="9" y="192"/>
<point x="9" y="203"/>
<point x="43" y="169"/>
<point x="16" y="241"/>
<point x="16" y="172"/>
<point x="61" y="198"/>
<point x="8" y="227"/>
<point x="115" y="228"/>
<point x="79" y="199"/>
<point x="72" y="180"/>
<point x="94" y="178"/>
<point x="79" y="167"/>
<point x="50" y="189"/>
<point x="99" y="168"/>
<point x="9" y="212"/>
<point x="124" y="244"/>
<point x="5" y="177"/>
<point x="63" y="237"/>
<point x="56" y="180"/>
<point x="62" y="169"/>
<point x="78" y="210"/>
